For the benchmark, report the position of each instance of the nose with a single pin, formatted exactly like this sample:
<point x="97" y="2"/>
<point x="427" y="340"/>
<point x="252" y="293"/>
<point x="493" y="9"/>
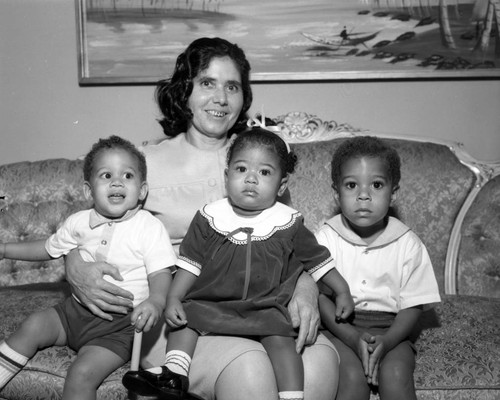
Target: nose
<point x="220" y="96"/>
<point x="251" y="177"/>
<point x="116" y="182"/>
<point x="364" y="194"/>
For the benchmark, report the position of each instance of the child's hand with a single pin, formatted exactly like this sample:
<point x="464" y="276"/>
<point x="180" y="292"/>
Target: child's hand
<point x="174" y="313"/>
<point x="344" y="305"/>
<point x="377" y="350"/>
<point x="146" y="315"/>
<point x="362" y="350"/>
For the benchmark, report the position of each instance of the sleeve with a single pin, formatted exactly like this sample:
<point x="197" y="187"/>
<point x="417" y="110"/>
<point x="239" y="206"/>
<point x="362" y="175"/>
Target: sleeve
<point x="158" y="251"/>
<point x="191" y="251"/>
<point x="65" y="238"/>
<point x="419" y="285"/>
<point x="316" y="258"/>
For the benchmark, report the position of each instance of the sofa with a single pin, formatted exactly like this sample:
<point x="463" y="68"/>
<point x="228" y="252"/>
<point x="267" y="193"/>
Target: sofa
<point x="449" y="199"/>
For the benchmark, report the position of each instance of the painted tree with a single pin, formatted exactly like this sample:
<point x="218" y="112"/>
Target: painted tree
<point x="444" y="26"/>
<point x="491" y="18"/>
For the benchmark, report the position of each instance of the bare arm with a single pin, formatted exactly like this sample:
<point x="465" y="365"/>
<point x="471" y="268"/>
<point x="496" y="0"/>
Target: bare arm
<point x="27" y="251"/>
<point x="357" y="341"/>
<point x="147" y="314"/>
<point x="303" y="309"/>
<point x="183" y="281"/>
<point x="344" y="304"/>
<point x="99" y="295"/>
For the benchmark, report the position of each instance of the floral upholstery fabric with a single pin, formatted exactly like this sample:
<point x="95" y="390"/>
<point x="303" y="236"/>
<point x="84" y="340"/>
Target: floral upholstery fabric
<point x="479" y="257"/>
<point x="38" y="197"/>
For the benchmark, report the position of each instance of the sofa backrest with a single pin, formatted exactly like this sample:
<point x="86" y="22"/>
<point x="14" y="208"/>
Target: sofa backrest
<point x="450" y="200"/>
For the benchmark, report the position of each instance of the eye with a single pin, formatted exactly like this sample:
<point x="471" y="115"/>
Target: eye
<point x="106" y="175"/>
<point x="378" y="184"/>
<point x="350" y="185"/>
<point x="265" y="172"/>
<point x="129" y="175"/>
<point x="232" y="88"/>
<point x="240" y="168"/>
<point x="206" y="83"/>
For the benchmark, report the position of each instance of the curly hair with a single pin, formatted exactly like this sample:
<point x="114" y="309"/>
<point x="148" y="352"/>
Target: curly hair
<point x="366" y="146"/>
<point x="260" y="137"/>
<point x="172" y="94"/>
<point x="113" y="142"/>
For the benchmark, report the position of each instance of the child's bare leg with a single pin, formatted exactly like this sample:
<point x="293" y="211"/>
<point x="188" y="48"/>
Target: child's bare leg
<point x="353" y="384"/>
<point x="39" y="330"/>
<point x="287" y="364"/>
<point x="92" y="365"/>
<point x="183" y="339"/>
<point x="396" y="373"/>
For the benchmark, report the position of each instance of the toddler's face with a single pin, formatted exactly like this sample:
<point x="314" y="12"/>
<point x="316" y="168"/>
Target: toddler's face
<point x="254" y="180"/>
<point x="115" y="185"/>
<point x="365" y="193"/>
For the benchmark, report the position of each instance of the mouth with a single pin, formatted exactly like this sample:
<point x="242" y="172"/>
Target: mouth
<point x="115" y="197"/>
<point x="249" y="192"/>
<point x="217" y="114"/>
<point x="363" y="211"/>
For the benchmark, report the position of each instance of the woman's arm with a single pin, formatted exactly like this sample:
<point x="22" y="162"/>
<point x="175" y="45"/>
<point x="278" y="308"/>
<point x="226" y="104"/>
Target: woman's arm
<point x="99" y="295"/>
<point x="304" y="312"/>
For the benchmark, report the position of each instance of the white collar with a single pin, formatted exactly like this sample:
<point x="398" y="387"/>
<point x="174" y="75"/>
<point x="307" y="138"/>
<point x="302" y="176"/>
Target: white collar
<point x="393" y="231"/>
<point x="223" y="219"/>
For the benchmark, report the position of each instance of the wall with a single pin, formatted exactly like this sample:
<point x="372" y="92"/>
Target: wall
<point x="45" y="114"/>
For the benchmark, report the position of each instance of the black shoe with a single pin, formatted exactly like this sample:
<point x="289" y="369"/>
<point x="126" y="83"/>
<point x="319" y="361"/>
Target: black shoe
<point x="168" y="385"/>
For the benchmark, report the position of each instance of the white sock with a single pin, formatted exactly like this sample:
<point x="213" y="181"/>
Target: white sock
<point x="289" y="395"/>
<point x="178" y="361"/>
<point x="11" y="362"/>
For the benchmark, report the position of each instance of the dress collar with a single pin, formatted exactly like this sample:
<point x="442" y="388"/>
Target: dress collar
<point x="223" y="219"/>
<point x="393" y="231"/>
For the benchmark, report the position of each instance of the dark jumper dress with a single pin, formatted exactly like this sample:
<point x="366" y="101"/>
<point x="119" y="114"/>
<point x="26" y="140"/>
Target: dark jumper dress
<point x="233" y="298"/>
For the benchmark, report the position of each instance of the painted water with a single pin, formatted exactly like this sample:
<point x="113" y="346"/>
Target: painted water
<point x="138" y="38"/>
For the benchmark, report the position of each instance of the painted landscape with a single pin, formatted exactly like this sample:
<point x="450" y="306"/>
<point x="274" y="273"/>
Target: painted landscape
<point x="137" y="41"/>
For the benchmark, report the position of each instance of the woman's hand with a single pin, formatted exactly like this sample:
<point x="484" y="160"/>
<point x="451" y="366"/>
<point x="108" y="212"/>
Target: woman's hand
<point x="304" y="312"/>
<point x="88" y="285"/>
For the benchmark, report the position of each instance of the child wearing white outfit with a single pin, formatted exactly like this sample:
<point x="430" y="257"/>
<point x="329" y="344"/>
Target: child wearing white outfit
<point x="115" y="231"/>
<point x="388" y="271"/>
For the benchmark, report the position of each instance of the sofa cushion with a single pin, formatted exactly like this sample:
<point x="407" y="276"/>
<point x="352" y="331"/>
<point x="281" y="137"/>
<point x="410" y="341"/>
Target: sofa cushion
<point x="458" y="348"/>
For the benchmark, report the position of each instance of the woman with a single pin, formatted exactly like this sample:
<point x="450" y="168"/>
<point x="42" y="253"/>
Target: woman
<point x="203" y="103"/>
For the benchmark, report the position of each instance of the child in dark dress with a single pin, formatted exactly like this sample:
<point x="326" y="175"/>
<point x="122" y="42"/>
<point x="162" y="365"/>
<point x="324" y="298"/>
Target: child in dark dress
<point x="239" y="263"/>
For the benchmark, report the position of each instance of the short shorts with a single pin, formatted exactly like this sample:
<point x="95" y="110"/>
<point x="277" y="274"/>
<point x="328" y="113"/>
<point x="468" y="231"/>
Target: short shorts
<point x="85" y="329"/>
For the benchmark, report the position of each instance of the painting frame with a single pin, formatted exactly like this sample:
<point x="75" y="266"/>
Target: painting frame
<point x="86" y="76"/>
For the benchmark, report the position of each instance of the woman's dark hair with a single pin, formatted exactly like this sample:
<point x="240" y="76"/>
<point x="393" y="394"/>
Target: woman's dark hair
<point x="260" y="137"/>
<point x="113" y="142"/>
<point x="172" y="94"/>
<point x="366" y="146"/>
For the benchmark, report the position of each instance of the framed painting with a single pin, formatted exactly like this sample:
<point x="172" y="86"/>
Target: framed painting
<point x="138" y="41"/>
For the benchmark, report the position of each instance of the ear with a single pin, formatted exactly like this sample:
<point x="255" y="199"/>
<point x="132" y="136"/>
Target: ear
<point x="394" y="194"/>
<point x="87" y="190"/>
<point x="143" y="191"/>
<point x="336" y="194"/>
<point x="225" y="177"/>
<point x="283" y="186"/>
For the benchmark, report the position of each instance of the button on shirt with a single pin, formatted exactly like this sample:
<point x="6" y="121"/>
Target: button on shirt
<point x="393" y="273"/>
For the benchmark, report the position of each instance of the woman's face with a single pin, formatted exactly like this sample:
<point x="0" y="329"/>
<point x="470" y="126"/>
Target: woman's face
<point x="216" y="100"/>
